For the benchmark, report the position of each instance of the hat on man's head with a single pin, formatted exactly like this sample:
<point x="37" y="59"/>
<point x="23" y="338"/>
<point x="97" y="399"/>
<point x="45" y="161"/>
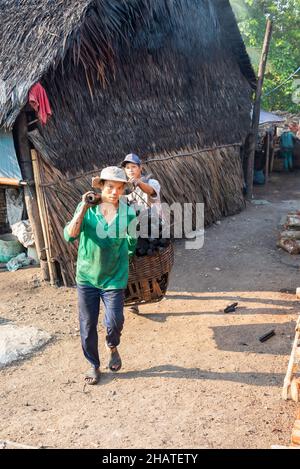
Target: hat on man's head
<point x="113" y="173"/>
<point x="131" y="158"/>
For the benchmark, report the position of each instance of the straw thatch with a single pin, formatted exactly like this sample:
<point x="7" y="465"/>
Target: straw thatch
<point x="159" y="77"/>
<point x="177" y="83"/>
<point x="37" y="35"/>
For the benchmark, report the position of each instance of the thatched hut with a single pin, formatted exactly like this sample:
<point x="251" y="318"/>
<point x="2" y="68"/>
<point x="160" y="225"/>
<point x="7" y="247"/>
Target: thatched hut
<point x="167" y="79"/>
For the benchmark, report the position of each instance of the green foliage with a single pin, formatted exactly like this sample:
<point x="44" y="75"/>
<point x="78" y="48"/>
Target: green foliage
<point x="284" y="57"/>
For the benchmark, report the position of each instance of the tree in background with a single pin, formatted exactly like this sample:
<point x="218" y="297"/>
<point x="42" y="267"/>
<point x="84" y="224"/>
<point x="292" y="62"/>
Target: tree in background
<point x="284" y="57"/>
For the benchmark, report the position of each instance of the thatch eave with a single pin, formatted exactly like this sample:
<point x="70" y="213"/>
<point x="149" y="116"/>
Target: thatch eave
<point x="36" y="36"/>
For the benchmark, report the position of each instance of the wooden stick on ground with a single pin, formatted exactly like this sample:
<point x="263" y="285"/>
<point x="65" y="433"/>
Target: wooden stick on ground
<point x="289" y="373"/>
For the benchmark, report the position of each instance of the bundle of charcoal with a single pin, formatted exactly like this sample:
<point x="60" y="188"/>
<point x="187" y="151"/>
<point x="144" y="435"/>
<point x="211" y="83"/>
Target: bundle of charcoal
<point x="149" y="246"/>
<point x="150" y="229"/>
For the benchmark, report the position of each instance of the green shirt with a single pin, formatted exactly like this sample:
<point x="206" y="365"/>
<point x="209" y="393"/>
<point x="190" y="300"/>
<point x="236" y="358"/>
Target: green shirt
<point x="104" y="249"/>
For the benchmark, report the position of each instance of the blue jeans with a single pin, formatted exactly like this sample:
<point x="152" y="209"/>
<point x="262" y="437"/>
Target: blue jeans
<point x="89" y="305"/>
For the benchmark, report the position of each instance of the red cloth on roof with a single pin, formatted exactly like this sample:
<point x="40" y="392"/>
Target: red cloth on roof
<point x="39" y="101"/>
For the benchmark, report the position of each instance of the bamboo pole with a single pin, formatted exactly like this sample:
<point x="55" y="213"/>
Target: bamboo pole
<point x="24" y="159"/>
<point x="44" y="217"/>
<point x="256" y="107"/>
<point x="11" y="182"/>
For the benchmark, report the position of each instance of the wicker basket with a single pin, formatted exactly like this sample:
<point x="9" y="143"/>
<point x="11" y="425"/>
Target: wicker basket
<point x="149" y="277"/>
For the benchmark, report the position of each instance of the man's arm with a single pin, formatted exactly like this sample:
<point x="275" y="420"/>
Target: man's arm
<point x="74" y="226"/>
<point x="149" y="190"/>
<point x="73" y="229"/>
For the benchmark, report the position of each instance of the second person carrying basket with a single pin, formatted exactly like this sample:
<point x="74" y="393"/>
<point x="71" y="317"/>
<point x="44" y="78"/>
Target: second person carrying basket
<point x="144" y="197"/>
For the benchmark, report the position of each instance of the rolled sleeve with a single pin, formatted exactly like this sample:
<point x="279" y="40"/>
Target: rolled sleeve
<point x="156" y="186"/>
<point x="67" y="237"/>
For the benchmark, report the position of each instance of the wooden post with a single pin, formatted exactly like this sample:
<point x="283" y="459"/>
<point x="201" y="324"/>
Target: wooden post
<point x="256" y="107"/>
<point x="24" y="158"/>
<point x="44" y="217"/>
<point x="272" y="155"/>
<point x="267" y="158"/>
<point x="249" y="148"/>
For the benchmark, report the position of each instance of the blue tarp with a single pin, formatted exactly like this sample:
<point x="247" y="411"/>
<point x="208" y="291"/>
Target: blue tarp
<point x="268" y="118"/>
<point x="9" y="166"/>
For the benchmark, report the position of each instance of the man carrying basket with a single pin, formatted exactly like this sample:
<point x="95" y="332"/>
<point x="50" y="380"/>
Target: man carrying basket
<point x="101" y="225"/>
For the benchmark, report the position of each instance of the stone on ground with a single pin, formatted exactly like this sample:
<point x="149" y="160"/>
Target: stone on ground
<point x="18" y="342"/>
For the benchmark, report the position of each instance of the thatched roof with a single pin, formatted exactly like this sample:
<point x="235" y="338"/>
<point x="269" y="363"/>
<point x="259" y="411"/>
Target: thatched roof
<point x="36" y="35"/>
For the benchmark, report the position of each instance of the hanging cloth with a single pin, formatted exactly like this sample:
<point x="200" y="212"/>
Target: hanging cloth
<point x="39" y="102"/>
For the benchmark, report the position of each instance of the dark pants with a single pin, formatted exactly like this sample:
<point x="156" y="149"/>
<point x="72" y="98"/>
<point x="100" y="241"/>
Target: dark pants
<point x="89" y="305"/>
<point x="288" y="159"/>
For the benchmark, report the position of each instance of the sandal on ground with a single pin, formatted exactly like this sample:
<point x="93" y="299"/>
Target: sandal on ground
<point x="115" y="361"/>
<point x="92" y="376"/>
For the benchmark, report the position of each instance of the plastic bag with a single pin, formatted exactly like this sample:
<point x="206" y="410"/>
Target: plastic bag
<point x="9" y="247"/>
<point x="20" y="261"/>
<point x="23" y="231"/>
<point x="15" y="205"/>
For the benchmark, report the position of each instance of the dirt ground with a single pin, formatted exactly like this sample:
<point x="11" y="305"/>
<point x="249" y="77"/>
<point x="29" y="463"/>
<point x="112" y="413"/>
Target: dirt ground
<point x="192" y="376"/>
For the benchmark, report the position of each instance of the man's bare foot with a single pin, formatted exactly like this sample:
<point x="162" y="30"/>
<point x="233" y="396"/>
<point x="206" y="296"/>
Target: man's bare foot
<point x="92" y="376"/>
